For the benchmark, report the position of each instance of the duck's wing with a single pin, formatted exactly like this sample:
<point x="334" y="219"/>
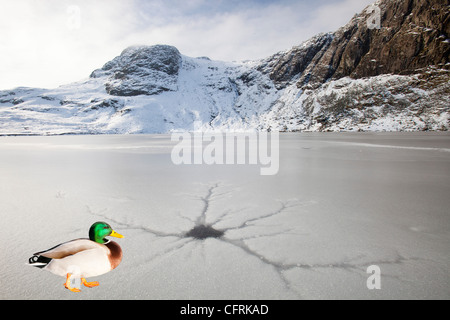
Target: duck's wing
<point x="68" y="248"/>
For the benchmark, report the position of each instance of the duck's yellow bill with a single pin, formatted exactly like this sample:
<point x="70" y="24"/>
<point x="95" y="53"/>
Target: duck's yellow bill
<point x="116" y="235"/>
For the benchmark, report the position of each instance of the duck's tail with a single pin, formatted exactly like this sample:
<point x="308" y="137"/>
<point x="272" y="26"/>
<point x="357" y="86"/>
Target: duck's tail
<point x="39" y="261"/>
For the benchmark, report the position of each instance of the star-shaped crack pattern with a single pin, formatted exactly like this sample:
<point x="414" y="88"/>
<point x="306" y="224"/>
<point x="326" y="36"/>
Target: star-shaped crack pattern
<point x="201" y="231"/>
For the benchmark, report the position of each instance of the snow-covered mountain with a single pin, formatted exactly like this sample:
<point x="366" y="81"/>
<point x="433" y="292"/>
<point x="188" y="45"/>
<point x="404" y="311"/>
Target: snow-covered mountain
<point x="357" y="78"/>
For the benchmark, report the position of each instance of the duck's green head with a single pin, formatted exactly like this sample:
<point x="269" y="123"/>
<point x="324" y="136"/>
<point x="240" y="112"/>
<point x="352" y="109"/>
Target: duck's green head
<point x="100" y="230"/>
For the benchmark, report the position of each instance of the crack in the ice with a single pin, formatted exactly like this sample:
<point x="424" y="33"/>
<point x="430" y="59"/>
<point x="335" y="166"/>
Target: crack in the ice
<point x="284" y="206"/>
<point x="278" y="267"/>
<point x="201" y="231"/>
<point x="274" y="234"/>
<point x="206" y="203"/>
<point x="207" y="231"/>
<point x="240" y="242"/>
<point x="129" y="226"/>
<point x="227" y="213"/>
<point x="166" y="252"/>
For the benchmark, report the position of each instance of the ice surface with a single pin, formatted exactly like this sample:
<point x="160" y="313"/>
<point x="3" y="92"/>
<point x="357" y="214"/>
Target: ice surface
<point x="339" y="204"/>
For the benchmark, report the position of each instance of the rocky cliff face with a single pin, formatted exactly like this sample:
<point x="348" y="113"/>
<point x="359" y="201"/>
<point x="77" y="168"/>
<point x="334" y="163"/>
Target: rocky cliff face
<point x="147" y="70"/>
<point x="392" y="78"/>
<point x="413" y="34"/>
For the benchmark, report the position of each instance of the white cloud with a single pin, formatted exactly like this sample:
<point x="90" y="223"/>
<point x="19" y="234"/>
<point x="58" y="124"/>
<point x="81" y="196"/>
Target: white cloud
<point x="41" y="44"/>
<point x="46" y="43"/>
<point x="251" y="32"/>
<point x="335" y="15"/>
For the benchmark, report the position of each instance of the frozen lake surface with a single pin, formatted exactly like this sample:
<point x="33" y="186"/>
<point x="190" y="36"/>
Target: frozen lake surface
<point x="339" y="204"/>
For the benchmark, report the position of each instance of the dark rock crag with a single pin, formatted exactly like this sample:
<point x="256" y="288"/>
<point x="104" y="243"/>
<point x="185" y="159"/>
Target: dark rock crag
<point x="414" y="34"/>
<point x="142" y="70"/>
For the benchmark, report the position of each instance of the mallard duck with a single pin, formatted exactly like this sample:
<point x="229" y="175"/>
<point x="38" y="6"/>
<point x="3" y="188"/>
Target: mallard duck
<point x="82" y="257"/>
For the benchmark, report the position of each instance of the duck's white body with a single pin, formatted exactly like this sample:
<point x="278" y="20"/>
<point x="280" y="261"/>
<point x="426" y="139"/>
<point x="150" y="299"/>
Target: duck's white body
<point x="82" y="257"/>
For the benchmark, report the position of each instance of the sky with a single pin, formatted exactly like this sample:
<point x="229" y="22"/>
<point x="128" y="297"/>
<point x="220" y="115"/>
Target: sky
<point x="47" y="43"/>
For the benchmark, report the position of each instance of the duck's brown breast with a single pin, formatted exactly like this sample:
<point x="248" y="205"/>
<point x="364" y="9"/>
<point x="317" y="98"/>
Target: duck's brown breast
<point x="115" y="255"/>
